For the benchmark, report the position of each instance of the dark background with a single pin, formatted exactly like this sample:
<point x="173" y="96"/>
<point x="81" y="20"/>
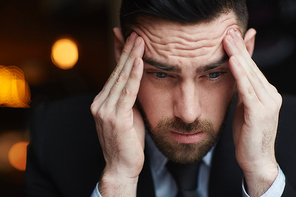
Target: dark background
<point x="29" y="29"/>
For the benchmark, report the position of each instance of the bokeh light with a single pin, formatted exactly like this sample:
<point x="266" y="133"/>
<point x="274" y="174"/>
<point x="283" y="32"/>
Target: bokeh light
<point x="18" y="155"/>
<point x="64" y="53"/>
<point x="14" y="90"/>
<point x="7" y="140"/>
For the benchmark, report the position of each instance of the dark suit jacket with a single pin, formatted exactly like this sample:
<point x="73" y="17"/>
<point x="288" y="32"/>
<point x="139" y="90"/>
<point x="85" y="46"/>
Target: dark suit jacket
<point x="65" y="158"/>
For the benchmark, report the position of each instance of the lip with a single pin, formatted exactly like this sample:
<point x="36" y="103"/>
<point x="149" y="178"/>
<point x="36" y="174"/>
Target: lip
<point x="187" y="138"/>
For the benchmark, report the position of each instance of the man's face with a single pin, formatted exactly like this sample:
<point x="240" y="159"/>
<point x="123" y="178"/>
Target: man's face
<point x="186" y="86"/>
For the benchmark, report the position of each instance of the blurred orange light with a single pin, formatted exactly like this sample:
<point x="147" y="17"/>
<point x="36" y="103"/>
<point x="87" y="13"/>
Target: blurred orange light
<point x="18" y="155"/>
<point x="64" y="53"/>
<point x="14" y="90"/>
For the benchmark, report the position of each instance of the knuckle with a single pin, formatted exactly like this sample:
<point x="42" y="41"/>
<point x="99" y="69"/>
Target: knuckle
<point x="274" y="89"/>
<point x="123" y="99"/>
<point x="99" y="114"/>
<point x="126" y="92"/>
<point x="115" y="72"/>
<point x="121" y="78"/>
<point x="93" y="108"/>
<point x="96" y="104"/>
<point x="126" y="50"/>
<point x="279" y="100"/>
<point x="105" y="117"/>
<point x="276" y="96"/>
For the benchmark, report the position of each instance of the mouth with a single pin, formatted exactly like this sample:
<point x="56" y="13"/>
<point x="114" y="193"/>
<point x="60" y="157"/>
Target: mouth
<point x="188" y="137"/>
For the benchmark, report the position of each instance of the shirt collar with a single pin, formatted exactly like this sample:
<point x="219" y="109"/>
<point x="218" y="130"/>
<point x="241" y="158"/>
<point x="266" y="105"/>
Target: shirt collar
<point x="158" y="160"/>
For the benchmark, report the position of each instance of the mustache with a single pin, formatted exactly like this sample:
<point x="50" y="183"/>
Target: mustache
<point x="179" y="125"/>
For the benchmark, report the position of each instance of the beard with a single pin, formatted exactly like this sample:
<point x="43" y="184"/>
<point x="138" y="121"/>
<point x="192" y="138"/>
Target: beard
<point x="180" y="152"/>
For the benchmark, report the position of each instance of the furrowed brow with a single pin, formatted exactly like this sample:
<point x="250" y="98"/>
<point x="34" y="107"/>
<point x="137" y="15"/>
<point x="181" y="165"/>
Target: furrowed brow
<point x="216" y="64"/>
<point x="162" y="66"/>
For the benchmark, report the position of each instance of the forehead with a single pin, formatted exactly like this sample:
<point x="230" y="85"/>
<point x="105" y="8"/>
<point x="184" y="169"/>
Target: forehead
<point x="170" y="41"/>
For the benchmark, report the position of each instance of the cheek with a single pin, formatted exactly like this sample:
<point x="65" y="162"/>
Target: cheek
<point x="155" y="102"/>
<point x="217" y="101"/>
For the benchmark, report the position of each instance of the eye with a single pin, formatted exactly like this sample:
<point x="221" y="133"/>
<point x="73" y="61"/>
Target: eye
<point x="214" y="75"/>
<point x="160" y="75"/>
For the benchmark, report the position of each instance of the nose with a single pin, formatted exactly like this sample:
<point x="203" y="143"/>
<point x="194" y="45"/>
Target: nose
<point x="187" y="103"/>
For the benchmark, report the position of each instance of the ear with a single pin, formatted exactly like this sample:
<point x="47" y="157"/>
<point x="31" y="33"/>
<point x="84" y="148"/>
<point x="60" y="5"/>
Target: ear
<point x="118" y="43"/>
<point x="250" y="40"/>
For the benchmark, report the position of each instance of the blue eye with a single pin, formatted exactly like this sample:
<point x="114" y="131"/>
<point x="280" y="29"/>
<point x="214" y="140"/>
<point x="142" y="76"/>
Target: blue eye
<point x="160" y="75"/>
<point x="214" y="75"/>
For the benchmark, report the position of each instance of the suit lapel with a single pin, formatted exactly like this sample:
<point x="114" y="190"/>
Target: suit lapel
<point x="226" y="175"/>
<point x="145" y="183"/>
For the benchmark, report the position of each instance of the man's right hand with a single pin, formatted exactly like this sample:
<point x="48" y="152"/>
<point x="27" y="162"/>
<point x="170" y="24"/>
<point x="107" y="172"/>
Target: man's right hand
<point x="120" y="127"/>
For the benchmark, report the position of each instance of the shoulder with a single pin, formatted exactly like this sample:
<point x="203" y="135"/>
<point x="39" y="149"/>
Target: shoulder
<point x="64" y="113"/>
<point x="66" y="108"/>
<point x="63" y="122"/>
<point x="64" y="144"/>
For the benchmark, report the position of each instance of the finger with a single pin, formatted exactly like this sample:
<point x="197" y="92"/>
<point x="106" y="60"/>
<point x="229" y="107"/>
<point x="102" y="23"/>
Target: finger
<point x="253" y="70"/>
<point x="114" y="75"/>
<point x="257" y="85"/>
<point x="244" y="56"/>
<point x="119" y="85"/>
<point x="245" y="89"/>
<point x="101" y="97"/>
<point x="129" y="94"/>
<point x="236" y="47"/>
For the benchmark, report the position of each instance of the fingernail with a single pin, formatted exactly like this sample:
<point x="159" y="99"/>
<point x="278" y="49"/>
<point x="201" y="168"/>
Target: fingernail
<point x="132" y="37"/>
<point x="238" y="34"/>
<point x="138" y="42"/>
<point x="233" y="34"/>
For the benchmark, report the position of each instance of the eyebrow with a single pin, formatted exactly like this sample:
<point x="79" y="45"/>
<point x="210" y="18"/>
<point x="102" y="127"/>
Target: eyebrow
<point x="162" y="66"/>
<point x="177" y="69"/>
<point x="214" y="65"/>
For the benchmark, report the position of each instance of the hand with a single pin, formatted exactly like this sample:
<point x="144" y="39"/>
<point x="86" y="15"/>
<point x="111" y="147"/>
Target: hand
<point x="256" y="117"/>
<point x="119" y="126"/>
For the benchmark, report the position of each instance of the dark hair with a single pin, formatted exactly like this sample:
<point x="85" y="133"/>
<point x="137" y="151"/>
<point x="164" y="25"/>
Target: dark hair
<point x="182" y="11"/>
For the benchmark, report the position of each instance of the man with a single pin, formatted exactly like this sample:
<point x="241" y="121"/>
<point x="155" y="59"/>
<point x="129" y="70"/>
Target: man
<point x="179" y="66"/>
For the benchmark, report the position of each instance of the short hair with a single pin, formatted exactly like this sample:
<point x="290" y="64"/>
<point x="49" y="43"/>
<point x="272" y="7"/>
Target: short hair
<point x="182" y="11"/>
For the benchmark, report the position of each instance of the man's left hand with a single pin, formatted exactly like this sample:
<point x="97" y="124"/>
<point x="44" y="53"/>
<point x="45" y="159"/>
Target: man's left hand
<point x="256" y="117"/>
